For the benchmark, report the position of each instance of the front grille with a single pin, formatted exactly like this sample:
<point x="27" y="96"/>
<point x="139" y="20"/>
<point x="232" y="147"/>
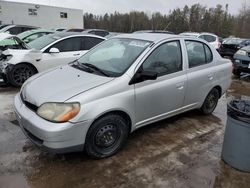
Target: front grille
<point x="245" y="62"/>
<point x="28" y="104"/>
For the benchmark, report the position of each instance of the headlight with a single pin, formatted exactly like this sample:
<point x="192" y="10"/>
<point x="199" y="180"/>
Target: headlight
<point x="241" y="52"/>
<point x="58" y="112"/>
<point x="6" y="57"/>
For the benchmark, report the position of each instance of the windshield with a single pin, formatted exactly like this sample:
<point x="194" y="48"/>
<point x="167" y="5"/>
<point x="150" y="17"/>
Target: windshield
<point x="115" y="56"/>
<point x="42" y="42"/>
<point x="24" y="34"/>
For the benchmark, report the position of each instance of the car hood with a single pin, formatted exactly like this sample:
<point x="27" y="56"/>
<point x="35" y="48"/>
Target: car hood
<point x="59" y="85"/>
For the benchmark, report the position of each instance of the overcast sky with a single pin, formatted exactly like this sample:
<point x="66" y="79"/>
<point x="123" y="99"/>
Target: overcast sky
<point x="163" y="6"/>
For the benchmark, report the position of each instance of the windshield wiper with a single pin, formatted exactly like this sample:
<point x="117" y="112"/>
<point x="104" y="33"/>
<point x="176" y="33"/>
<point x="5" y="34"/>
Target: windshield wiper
<point x="78" y="65"/>
<point x="95" y="68"/>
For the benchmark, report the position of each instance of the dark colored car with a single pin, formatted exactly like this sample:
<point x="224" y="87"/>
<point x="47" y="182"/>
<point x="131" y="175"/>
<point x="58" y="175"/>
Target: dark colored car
<point x="75" y="30"/>
<point x="16" y="29"/>
<point x="241" y="61"/>
<point x="231" y="45"/>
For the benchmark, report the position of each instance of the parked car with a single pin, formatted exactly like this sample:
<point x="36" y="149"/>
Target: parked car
<point x="190" y="34"/>
<point x="75" y="30"/>
<point x="124" y="83"/>
<point x="31" y="35"/>
<point x="230" y="46"/>
<point x="19" y="41"/>
<point x="213" y="39"/>
<point x="242" y="61"/>
<point x="154" y="31"/>
<point x="59" y="29"/>
<point x="99" y="32"/>
<point x="16" y="29"/>
<point x="52" y="50"/>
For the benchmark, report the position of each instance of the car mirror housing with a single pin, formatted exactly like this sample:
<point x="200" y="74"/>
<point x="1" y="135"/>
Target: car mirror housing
<point x="143" y="76"/>
<point x="54" y="50"/>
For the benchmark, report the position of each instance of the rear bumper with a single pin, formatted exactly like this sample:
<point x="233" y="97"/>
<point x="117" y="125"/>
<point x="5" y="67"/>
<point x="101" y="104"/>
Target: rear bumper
<point x="51" y="137"/>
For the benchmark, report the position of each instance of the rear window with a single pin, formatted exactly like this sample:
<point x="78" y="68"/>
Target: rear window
<point x="208" y="38"/>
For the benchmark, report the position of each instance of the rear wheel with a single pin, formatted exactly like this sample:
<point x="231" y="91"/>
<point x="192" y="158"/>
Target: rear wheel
<point x="106" y="136"/>
<point x="19" y="74"/>
<point x="210" y="102"/>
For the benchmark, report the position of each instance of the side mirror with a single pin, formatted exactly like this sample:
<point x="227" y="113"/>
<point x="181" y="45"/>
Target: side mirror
<point x="143" y="76"/>
<point x="54" y="50"/>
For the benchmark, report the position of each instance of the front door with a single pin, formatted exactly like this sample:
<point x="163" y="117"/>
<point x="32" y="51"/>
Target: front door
<point x="70" y="49"/>
<point x="156" y="99"/>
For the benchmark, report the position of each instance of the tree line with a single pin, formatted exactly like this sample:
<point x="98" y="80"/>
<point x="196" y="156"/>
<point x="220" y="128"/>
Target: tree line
<point x="195" y="18"/>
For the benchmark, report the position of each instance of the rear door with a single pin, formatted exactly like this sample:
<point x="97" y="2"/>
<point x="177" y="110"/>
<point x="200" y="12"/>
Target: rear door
<point x="201" y="72"/>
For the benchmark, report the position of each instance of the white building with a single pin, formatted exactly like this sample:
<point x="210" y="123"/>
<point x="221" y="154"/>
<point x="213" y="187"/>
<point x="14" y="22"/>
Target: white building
<point x="40" y="15"/>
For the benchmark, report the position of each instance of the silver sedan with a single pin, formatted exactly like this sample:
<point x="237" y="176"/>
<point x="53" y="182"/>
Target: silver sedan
<point x="124" y="83"/>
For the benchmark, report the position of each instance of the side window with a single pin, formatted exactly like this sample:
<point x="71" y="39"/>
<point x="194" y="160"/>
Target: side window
<point x="165" y="59"/>
<point x="15" y="30"/>
<point x="92" y="32"/>
<point x="68" y="45"/>
<point x="101" y="33"/>
<point x="198" y="53"/>
<point x="90" y="42"/>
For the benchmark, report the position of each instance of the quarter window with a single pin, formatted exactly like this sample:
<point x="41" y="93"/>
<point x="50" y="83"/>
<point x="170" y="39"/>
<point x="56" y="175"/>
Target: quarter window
<point x="198" y="53"/>
<point x="165" y="59"/>
<point x="90" y="42"/>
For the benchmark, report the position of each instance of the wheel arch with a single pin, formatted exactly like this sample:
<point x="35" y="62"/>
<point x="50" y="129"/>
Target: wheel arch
<point x="29" y="64"/>
<point x="121" y="113"/>
<point x="219" y="88"/>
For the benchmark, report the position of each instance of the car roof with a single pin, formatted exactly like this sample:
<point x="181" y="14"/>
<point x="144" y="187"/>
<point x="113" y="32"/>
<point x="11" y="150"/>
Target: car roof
<point x="95" y="30"/>
<point x="154" y="31"/>
<point x="33" y="31"/>
<point x="60" y="35"/>
<point x="206" y="33"/>
<point x="152" y="37"/>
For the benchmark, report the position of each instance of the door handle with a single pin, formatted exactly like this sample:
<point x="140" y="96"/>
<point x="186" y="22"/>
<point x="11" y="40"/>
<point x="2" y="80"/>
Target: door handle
<point x="76" y="54"/>
<point x="180" y="86"/>
<point x="210" y="76"/>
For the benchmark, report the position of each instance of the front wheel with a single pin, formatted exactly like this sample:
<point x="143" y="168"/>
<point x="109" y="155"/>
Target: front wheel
<point x="106" y="136"/>
<point x="210" y="102"/>
<point x="19" y="74"/>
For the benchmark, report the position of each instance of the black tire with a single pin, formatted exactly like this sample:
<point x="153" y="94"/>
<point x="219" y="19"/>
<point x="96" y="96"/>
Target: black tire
<point x="210" y="102"/>
<point x="18" y="74"/>
<point x="106" y="136"/>
<point x="236" y="72"/>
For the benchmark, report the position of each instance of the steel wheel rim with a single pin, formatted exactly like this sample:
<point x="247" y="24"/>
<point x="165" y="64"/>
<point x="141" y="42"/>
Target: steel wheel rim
<point x="107" y="136"/>
<point x="211" y="101"/>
